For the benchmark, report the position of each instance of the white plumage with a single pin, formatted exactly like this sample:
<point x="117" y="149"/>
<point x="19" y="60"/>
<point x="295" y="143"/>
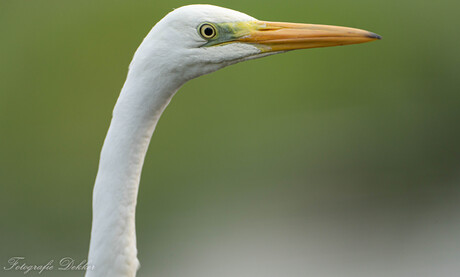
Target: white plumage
<point x="174" y="52"/>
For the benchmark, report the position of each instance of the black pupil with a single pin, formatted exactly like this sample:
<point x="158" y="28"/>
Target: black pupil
<point x="208" y="31"/>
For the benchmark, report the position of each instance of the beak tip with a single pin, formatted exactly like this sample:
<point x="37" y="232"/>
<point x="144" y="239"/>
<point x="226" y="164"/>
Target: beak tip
<point x="374" y="36"/>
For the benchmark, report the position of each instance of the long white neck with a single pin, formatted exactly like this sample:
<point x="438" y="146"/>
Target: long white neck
<point x="145" y="94"/>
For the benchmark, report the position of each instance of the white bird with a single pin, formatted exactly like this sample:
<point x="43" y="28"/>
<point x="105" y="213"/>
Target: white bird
<point x="188" y="42"/>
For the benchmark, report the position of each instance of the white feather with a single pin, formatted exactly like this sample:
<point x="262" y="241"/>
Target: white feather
<point x="169" y="56"/>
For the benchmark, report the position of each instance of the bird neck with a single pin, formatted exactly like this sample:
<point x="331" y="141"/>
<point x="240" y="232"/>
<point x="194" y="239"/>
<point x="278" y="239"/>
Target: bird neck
<point x="145" y="94"/>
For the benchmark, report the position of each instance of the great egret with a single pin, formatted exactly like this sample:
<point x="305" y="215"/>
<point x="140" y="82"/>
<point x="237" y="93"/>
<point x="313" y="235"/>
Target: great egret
<point x="188" y="42"/>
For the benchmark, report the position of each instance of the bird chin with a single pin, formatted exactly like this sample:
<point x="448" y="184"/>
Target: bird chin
<point x="265" y="54"/>
<point x="256" y="56"/>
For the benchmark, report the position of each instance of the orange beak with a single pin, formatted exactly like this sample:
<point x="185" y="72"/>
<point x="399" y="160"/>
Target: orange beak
<point x="278" y="36"/>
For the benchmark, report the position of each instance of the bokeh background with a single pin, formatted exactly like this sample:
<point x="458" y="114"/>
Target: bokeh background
<point x="339" y="161"/>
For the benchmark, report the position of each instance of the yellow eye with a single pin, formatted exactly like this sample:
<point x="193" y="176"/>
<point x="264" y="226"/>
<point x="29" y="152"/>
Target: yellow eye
<point x="207" y="31"/>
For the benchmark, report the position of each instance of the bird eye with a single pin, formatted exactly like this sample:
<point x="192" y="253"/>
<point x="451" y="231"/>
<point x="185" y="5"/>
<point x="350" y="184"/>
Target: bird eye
<point x="207" y="31"/>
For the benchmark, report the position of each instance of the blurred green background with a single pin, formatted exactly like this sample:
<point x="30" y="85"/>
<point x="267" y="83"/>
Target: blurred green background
<point x="340" y="161"/>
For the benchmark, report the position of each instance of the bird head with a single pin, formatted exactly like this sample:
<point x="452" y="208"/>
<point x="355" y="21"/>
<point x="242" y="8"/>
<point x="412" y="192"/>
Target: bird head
<point x="199" y="39"/>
